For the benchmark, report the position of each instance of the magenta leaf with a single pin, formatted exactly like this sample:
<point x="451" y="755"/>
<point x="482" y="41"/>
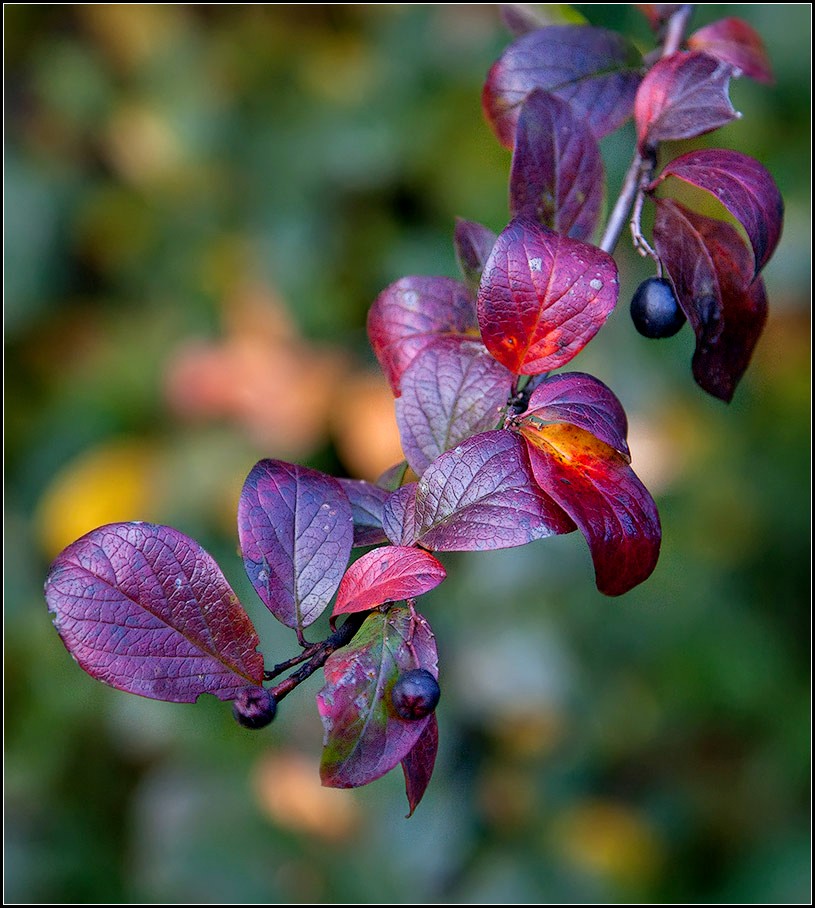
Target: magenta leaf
<point x="596" y="71"/>
<point x="419" y="763"/>
<point x="450" y="391"/>
<point x="543" y="297"/>
<point x="743" y="186"/>
<point x="145" y="609"/>
<point x="473" y="243"/>
<point x="482" y="495"/>
<point x="557" y="174"/>
<point x="364" y="737"/>
<point x="408" y="314"/>
<point x="735" y="42"/>
<point x="711" y="270"/>
<point x="604" y="497"/>
<point x="399" y="515"/>
<point x="387" y="574"/>
<point x="582" y="401"/>
<point x="367" y="501"/>
<point x="296" y="531"/>
<point x="682" y="96"/>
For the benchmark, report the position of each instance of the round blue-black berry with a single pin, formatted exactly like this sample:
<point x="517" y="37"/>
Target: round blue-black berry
<point x="415" y="694"/>
<point x="254" y="707"/>
<point x="654" y="309"/>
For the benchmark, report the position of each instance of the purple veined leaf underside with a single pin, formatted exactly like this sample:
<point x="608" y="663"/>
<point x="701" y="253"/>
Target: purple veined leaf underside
<point x="745" y="188"/>
<point x="399" y="515"/>
<point x="450" y="391"/>
<point x="711" y="270"/>
<point x="543" y="297"/>
<point x="557" y="174"/>
<point x="367" y="501"/>
<point x="595" y="70"/>
<point x="364" y="737"/>
<point x="682" y="96"/>
<point x="145" y="609"/>
<point x="296" y="531"/>
<point x="482" y="496"/>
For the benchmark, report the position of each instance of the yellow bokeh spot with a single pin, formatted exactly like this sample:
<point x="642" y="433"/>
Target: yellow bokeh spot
<point x="111" y="483"/>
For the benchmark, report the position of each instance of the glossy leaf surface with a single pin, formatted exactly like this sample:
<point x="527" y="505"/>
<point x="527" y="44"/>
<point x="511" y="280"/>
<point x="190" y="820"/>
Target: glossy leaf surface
<point x="543" y="297"/>
<point x="557" y="174"/>
<point x="410" y="313"/>
<point x="450" y="391"/>
<point x="482" y="495"/>
<point x="682" y="96"/>
<point x="743" y="186"/>
<point x="735" y="42"/>
<point x="419" y="763"/>
<point x="367" y="501"/>
<point x="399" y="515"/>
<point x="473" y="243"/>
<point x="596" y="71"/>
<point x="604" y="497"/>
<point x="296" y="532"/>
<point x="711" y="270"/>
<point x="582" y="401"/>
<point x="364" y="737"/>
<point x="145" y="609"/>
<point x="387" y="574"/>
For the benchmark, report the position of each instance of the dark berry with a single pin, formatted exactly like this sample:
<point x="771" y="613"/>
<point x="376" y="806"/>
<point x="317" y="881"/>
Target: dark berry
<point x="254" y="707"/>
<point x="415" y="694"/>
<point x="654" y="309"/>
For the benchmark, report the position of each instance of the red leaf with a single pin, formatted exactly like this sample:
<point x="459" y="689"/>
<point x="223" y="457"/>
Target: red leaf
<point x="408" y="314"/>
<point x="604" y="497"/>
<point x="596" y="71"/>
<point x="543" y="297"/>
<point x="364" y="736"/>
<point x="450" y="391"/>
<point x="482" y="496"/>
<point x="557" y="172"/>
<point x="387" y="574"/>
<point x="735" y="42"/>
<point x="682" y="96"/>
<point x="743" y="186"/>
<point x="145" y="609"/>
<point x="583" y="401"/>
<point x="473" y="243"/>
<point x="419" y="763"/>
<point x="399" y="515"/>
<point x="712" y="274"/>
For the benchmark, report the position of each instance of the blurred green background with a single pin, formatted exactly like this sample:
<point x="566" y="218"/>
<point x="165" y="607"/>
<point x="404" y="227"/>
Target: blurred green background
<point x="201" y="204"/>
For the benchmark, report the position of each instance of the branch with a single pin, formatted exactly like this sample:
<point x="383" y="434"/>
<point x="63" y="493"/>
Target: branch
<point x="641" y="168"/>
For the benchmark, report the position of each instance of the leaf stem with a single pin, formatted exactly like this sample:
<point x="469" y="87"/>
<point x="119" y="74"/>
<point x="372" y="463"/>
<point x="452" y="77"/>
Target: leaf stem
<point x="635" y="178"/>
<point x="316" y="654"/>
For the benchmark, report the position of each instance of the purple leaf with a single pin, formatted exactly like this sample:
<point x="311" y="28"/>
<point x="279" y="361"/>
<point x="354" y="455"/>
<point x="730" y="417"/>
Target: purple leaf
<point x="482" y="495"/>
<point x="543" y="297"/>
<point x="711" y="270"/>
<point x="735" y="42"/>
<point x="604" y="497"/>
<point x="557" y="173"/>
<point x="522" y="18"/>
<point x="387" y="574"/>
<point x="399" y="515"/>
<point x="145" y="609"/>
<point x="582" y="401"/>
<point x="682" y="96"/>
<point x="419" y="763"/>
<point x="364" y="737"/>
<point x="473" y="243"/>
<point x="367" y="501"/>
<point x="450" y="391"/>
<point x="596" y="71"/>
<point x="407" y="315"/>
<point x="296" y="531"/>
<point x="743" y="186"/>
